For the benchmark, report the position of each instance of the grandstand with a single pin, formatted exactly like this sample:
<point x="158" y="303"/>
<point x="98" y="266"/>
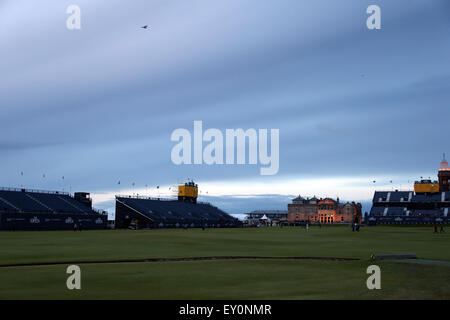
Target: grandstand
<point x="428" y="203"/>
<point x="22" y="209"/>
<point x="144" y="212"/>
<point x="157" y="213"/>
<point x="408" y="207"/>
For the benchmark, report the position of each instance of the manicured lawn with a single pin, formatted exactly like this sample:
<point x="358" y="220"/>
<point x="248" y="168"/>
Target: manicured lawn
<point x="225" y="279"/>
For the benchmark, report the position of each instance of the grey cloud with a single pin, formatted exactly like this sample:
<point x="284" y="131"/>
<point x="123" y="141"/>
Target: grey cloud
<point x="103" y="102"/>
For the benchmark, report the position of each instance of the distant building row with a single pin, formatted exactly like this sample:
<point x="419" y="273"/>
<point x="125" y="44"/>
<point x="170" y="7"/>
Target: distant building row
<point x="266" y="217"/>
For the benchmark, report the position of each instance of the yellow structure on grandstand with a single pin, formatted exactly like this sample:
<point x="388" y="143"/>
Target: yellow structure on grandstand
<point x="188" y="192"/>
<point x="426" y="186"/>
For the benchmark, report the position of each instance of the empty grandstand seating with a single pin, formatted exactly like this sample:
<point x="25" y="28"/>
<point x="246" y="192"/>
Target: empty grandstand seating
<point x="426" y="213"/>
<point x="40" y="202"/>
<point x="399" y="196"/>
<point x="396" y="211"/>
<point x="376" y="211"/>
<point x="409" y="207"/>
<point x="426" y="198"/>
<point x="394" y="196"/>
<point x="21" y="201"/>
<point x="380" y="196"/>
<point x="170" y="213"/>
<point x="22" y="209"/>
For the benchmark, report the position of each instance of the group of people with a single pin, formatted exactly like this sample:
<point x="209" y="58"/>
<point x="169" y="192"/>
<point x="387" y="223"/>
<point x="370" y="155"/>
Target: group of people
<point x="441" y="230"/>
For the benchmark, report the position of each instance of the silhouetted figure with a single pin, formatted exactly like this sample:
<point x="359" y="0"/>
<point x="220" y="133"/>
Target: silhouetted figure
<point x="442" y="229"/>
<point x="435" y="228"/>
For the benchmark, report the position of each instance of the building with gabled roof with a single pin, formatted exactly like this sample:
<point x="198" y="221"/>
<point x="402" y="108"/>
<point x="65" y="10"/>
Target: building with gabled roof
<point x="325" y="211"/>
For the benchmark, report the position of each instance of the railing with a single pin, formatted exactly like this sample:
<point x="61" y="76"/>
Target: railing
<point x="426" y="181"/>
<point x="34" y="191"/>
<point x="98" y="211"/>
<point x="143" y="197"/>
<point x="30" y="211"/>
<point x="157" y="199"/>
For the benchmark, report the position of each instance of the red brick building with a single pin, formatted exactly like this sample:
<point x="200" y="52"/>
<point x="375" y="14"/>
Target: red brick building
<point x="325" y="211"/>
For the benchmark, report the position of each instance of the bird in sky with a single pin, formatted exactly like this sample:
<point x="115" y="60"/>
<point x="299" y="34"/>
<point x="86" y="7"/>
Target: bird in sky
<point x="145" y="27"/>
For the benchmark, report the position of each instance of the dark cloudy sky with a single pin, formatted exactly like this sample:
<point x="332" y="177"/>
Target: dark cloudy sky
<point x="98" y="105"/>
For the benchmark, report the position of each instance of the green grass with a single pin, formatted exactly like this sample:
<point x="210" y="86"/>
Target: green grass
<point x="222" y="279"/>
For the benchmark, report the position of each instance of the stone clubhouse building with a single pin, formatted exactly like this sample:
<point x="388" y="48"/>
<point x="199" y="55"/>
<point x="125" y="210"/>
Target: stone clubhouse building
<point x="324" y="211"/>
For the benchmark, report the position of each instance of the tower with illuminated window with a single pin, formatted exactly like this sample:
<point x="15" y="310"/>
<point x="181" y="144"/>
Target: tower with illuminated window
<point x="444" y="175"/>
